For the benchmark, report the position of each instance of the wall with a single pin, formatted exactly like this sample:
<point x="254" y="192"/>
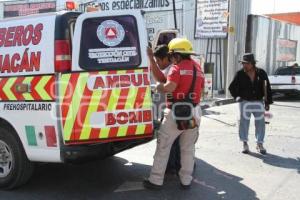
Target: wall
<point x="1" y="10"/>
<point x="262" y="40"/>
<point x="162" y="18"/>
<point x="159" y="20"/>
<point x="287" y="17"/>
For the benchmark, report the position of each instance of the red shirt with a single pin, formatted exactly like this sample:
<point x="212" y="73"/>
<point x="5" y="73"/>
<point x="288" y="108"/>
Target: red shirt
<point x="182" y="75"/>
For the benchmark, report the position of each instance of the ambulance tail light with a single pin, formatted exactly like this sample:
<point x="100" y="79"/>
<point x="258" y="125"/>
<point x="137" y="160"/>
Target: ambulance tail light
<point x="51" y="140"/>
<point x="62" y="56"/>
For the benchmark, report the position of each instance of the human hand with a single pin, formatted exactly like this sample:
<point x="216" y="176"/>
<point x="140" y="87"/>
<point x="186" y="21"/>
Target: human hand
<point x="150" y="52"/>
<point x="159" y="87"/>
<point x="267" y="107"/>
<point x="238" y="99"/>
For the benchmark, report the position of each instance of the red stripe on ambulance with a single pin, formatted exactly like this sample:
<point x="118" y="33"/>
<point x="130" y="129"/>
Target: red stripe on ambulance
<point x="104" y="100"/>
<point x="2" y="84"/>
<point x="81" y="114"/>
<point x="34" y="83"/>
<point x="131" y="130"/>
<point x="113" y="132"/>
<point x="122" y="99"/>
<point x="50" y="87"/>
<point x="140" y="98"/>
<point x="68" y="96"/>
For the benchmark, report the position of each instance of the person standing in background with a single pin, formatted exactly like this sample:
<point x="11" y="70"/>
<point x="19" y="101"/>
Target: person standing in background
<point x="251" y="88"/>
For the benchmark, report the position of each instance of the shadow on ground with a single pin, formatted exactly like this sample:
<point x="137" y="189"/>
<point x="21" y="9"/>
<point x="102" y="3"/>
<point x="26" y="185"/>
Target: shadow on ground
<point x="278" y="161"/>
<point x="105" y="180"/>
<point x="286" y="98"/>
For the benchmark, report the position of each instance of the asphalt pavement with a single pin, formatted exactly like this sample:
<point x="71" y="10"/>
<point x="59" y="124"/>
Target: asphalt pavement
<point x="222" y="171"/>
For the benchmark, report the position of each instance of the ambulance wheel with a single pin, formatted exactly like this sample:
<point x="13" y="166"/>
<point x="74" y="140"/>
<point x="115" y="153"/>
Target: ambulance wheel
<point x="15" y="168"/>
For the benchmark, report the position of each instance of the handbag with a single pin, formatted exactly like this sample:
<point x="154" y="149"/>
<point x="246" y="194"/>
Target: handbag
<point x="182" y="110"/>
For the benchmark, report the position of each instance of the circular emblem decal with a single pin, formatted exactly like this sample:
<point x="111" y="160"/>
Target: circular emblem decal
<point x="110" y="33"/>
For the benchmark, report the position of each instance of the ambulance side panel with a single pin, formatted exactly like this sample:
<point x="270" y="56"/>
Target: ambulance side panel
<point x="27" y="84"/>
<point x="27" y="45"/>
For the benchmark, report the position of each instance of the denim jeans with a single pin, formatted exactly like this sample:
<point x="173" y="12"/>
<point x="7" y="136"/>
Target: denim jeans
<point x="257" y="109"/>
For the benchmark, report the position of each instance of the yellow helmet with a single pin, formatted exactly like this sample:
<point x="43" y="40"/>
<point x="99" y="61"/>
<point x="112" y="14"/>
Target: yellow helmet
<point x="181" y="45"/>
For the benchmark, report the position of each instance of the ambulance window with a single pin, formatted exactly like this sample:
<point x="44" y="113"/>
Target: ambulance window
<point x="165" y="38"/>
<point x="70" y="32"/>
<point x="109" y="43"/>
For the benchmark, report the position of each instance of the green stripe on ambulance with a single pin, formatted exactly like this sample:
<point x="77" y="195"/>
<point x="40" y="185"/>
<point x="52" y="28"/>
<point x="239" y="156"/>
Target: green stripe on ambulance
<point x="31" y="136"/>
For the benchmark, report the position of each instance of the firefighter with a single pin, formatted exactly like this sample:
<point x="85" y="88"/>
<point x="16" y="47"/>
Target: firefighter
<point x="183" y="75"/>
<point x="160" y="67"/>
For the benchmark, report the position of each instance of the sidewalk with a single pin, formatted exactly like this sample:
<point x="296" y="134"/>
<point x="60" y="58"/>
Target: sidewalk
<point x="217" y="100"/>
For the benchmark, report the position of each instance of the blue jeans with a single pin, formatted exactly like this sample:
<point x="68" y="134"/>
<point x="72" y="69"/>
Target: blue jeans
<point x="257" y="109"/>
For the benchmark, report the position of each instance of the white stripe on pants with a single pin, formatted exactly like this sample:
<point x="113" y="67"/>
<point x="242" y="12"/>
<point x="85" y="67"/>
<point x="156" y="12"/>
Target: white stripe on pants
<point x="167" y="134"/>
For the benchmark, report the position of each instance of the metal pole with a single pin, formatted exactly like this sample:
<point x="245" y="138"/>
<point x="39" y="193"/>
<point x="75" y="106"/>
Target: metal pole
<point x="174" y="13"/>
<point x="216" y="61"/>
<point x="230" y="49"/>
<point x="221" y="67"/>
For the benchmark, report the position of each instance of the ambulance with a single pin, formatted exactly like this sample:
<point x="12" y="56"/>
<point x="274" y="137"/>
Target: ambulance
<point x="73" y="87"/>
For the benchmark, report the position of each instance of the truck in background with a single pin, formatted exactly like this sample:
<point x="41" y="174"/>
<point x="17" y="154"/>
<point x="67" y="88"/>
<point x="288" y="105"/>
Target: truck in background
<point x="286" y="80"/>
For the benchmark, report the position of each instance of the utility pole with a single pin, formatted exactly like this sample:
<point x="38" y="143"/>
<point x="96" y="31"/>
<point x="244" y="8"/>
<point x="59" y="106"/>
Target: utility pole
<point x="238" y="13"/>
<point x="174" y="13"/>
<point x="230" y="72"/>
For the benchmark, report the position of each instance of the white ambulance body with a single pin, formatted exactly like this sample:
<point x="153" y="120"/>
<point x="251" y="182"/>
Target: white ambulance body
<point x="72" y="87"/>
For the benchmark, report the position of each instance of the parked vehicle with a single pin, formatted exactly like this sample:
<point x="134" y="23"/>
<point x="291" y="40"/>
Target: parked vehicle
<point x="73" y="86"/>
<point x="286" y="80"/>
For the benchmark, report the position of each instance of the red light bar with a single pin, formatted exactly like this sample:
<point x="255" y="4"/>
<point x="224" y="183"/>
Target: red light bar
<point x="70" y="5"/>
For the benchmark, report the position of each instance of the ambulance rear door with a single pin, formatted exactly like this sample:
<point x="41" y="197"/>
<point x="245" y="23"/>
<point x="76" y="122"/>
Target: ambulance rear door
<point x="106" y="96"/>
<point x="164" y="37"/>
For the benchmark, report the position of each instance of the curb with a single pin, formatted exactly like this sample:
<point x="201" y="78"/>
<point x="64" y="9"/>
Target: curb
<point x="222" y="102"/>
<point x="216" y="102"/>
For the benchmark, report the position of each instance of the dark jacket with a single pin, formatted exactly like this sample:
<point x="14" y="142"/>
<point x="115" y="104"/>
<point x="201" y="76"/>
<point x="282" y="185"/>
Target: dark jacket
<point x="243" y="87"/>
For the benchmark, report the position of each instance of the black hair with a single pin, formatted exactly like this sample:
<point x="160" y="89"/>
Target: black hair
<point x="183" y="56"/>
<point x="161" y="51"/>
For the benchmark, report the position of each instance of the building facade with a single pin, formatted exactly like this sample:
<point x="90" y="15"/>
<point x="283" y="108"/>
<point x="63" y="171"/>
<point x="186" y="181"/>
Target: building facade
<point x="159" y="15"/>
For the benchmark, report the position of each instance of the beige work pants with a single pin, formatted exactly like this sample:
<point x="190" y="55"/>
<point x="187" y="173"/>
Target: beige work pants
<point x="167" y="134"/>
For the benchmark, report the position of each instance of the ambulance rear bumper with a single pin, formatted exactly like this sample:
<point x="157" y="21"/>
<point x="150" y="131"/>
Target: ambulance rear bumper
<point x="88" y="152"/>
